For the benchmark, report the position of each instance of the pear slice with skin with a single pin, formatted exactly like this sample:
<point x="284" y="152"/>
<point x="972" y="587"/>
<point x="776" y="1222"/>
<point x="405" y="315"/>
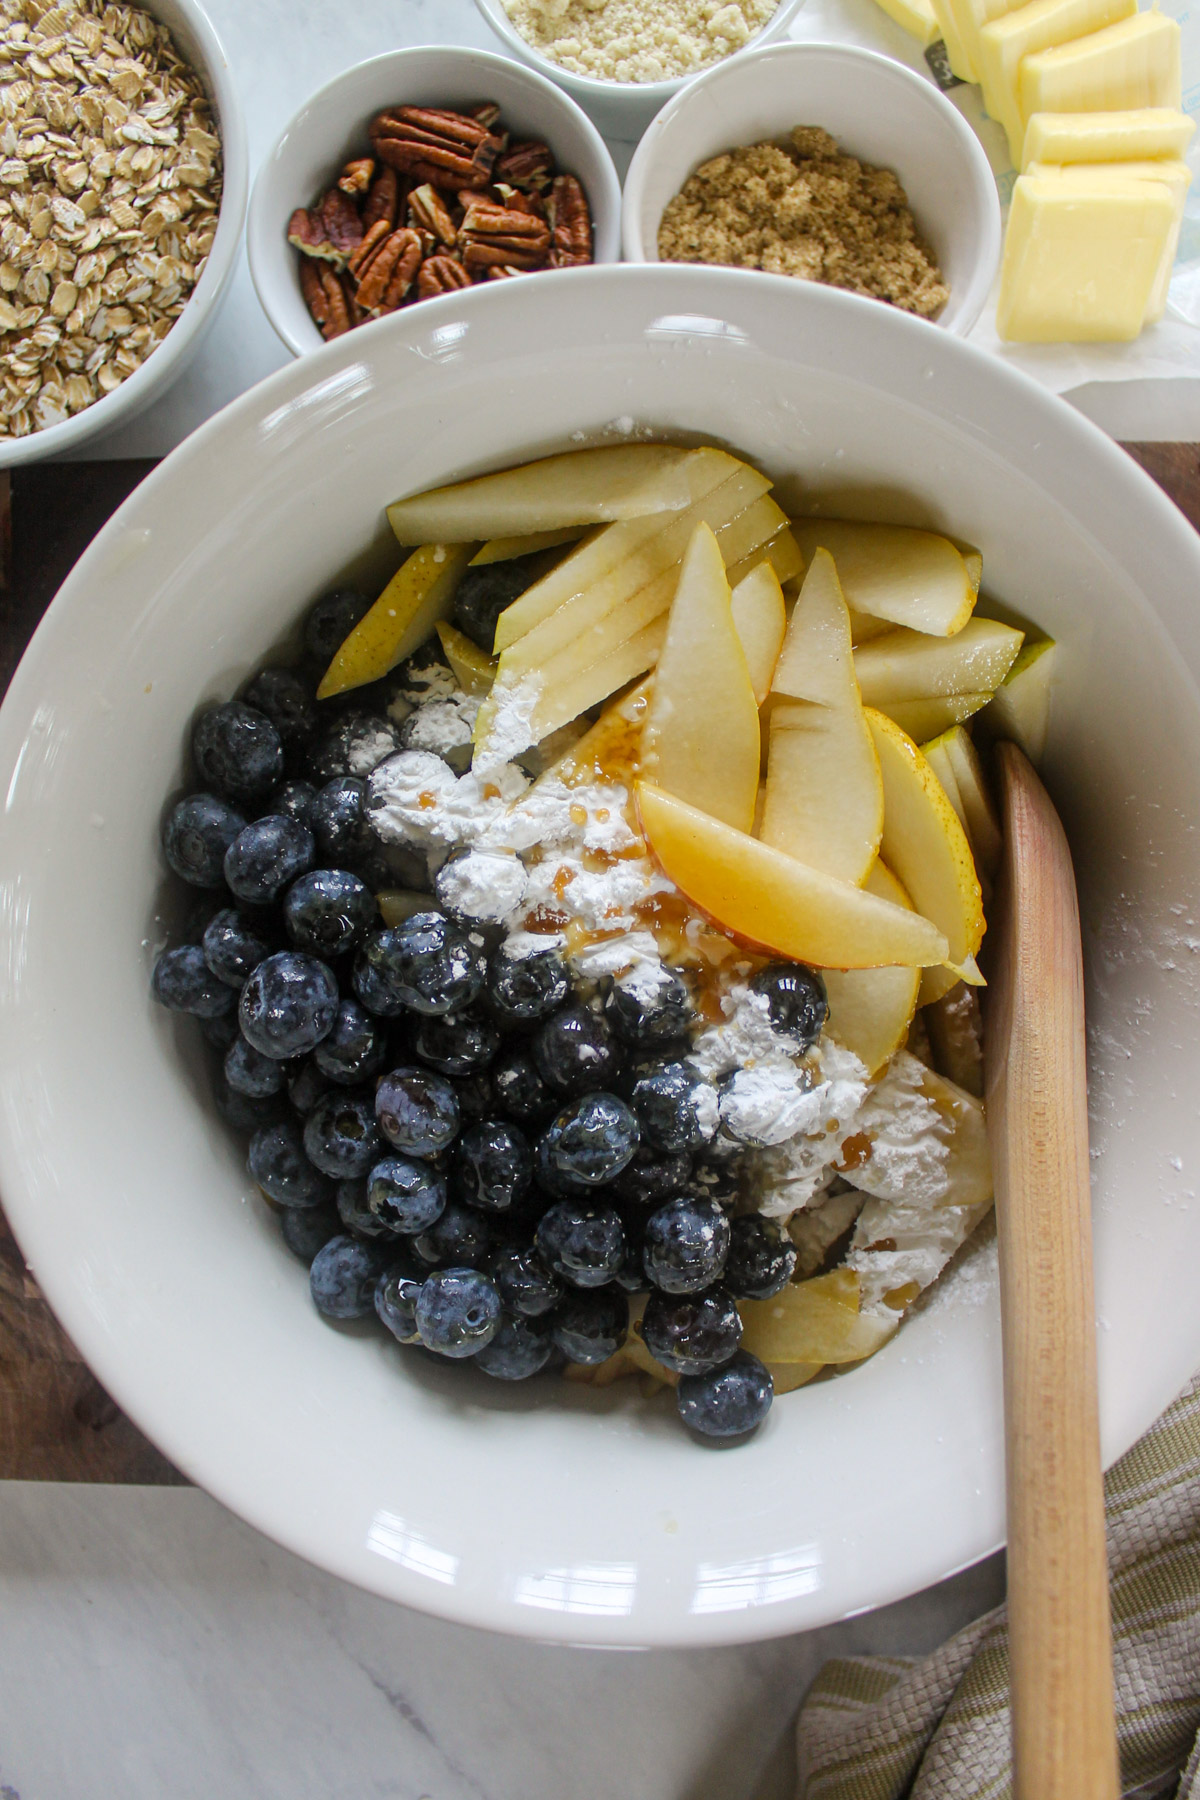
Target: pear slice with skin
<point x="418" y="595"/>
<point x="781" y="551"/>
<point x="760" y="617"/>
<point x="870" y="1010"/>
<point x="909" y="665"/>
<point x="701" y="738"/>
<point x="824" y="802"/>
<point x="925" y="719"/>
<point x="1020" y="707"/>
<point x="814" y="1321"/>
<point x="474" y="669"/>
<point x="975" y="803"/>
<point x="914" y="578"/>
<point x="772" y="901"/>
<point x="508" y="549"/>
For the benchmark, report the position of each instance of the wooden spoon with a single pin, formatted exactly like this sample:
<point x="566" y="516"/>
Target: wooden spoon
<point x="1059" y="1629"/>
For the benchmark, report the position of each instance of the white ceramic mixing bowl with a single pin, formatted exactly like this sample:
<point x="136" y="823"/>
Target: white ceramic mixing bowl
<point x="551" y="1510"/>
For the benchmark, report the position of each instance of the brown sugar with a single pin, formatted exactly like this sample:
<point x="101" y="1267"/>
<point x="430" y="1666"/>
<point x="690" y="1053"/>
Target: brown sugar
<point x="804" y="208"/>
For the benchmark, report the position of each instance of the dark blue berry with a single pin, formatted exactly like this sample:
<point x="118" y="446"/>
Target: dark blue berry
<point x="328" y="911"/>
<point x="520" y="1348"/>
<point x="587" y="1144"/>
<point x="493" y="1165"/>
<point x="581" y="1241"/>
<point x="295" y="800"/>
<point x="287" y="701"/>
<point x="457" y="1312"/>
<point x="476" y="1099"/>
<point x="631" y="1276"/>
<point x="729" y="1401"/>
<point x="277" y="1162"/>
<point x="668" y="1102"/>
<point x="405" y="1195"/>
<point x="718" y="1181"/>
<point x="396" y="1304"/>
<point x="234" y="945"/>
<point x="485" y="591"/>
<point x="337" y="819"/>
<point x="358" y="743"/>
<point x="340" y="1135"/>
<point x="685" y="1245"/>
<point x="647" y="1012"/>
<point x="355" y="1048"/>
<point x="237" y="752"/>
<point x="307" y="1229"/>
<point x="265" y="856"/>
<point x="221" y="1031"/>
<point x="288" y="1004"/>
<point x="796" y="1001"/>
<point x="692" y="1332"/>
<point x="520" y="1091"/>
<point x="761" y="1259"/>
<point x="251" y="1073"/>
<point x="343" y="1276"/>
<point x="241" y="1113"/>
<point x="197" y="833"/>
<point x="355" y="1212"/>
<point x="526" y="1285"/>
<point x="651" y="1178"/>
<point x="591" y="1327"/>
<point x="460" y="1238"/>
<point x="418" y="1112"/>
<point x="524" y="990"/>
<point x="306" y="1083"/>
<point x="183" y="981"/>
<point x="459" y="1044"/>
<point x="331" y="620"/>
<point x="576" y="1052"/>
<point x="429" y="963"/>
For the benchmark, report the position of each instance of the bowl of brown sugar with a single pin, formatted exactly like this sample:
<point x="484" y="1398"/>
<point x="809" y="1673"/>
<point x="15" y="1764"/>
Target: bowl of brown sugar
<point x="827" y="164"/>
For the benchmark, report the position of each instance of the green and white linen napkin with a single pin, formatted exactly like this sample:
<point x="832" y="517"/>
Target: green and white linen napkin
<point x="937" y="1728"/>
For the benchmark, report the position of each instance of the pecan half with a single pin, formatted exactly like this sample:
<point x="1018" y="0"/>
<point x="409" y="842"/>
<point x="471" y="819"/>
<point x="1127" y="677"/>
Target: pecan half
<point x="326" y="298"/>
<point x="383" y="200"/>
<point x="390" y="272"/>
<point x="571" y="236"/>
<point x="306" y="232"/>
<point x="339" y="215"/>
<point x="516" y="201"/>
<point x="485" y="113"/>
<point x="427" y="209"/>
<point x="502" y="271"/>
<point x="355" y="178"/>
<point x="529" y="166"/>
<point x="449" y="149"/>
<point x="440" y="275"/>
<point x="496" y="235"/>
<point x="359" y="259"/>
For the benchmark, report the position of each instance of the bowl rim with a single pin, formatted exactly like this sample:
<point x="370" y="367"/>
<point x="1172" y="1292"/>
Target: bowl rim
<point x="262" y="250"/>
<point x="160" y="367"/>
<point x="973" y="295"/>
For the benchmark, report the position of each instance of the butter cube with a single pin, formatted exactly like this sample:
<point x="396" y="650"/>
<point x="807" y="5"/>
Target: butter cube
<point x="1003" y="42"/>
<point x="1131" y="64"/>
<point x="958" y="52"/>
<point x="1081" y="258"/>
<point x="1104" y="137"/>
<point x="914" y="16"/>
<point x="1174" y="174"/>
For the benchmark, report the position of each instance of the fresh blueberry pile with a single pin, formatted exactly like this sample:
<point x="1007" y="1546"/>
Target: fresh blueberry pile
<point x="489" y="1160"/>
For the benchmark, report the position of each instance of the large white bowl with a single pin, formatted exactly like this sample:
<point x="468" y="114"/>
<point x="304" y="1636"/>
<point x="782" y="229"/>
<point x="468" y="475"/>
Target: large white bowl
<point x="314" y="147"/>
<point x="552" y="1511"/>
<point x="200" y="46"/>
<point x="878" y="111"/>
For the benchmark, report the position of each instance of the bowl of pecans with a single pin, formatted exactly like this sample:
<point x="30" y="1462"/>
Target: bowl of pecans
<point x="417" y="174"/>
<point x="122" y="197"/>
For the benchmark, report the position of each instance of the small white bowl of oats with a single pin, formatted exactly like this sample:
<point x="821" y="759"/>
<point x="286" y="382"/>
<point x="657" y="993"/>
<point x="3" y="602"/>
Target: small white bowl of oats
<point x="122" y="198"/>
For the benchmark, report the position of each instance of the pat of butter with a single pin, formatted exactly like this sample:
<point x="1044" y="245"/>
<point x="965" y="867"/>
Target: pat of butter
<point x="1040" y="25"/>
<point x="958" y="53"/>
<point x="1177" y="178"/>
<point x="914" y="16"/>
<point x="1081" y="258"/>
<point x="1134" y="63"/>
<point x="1106" y="137"/>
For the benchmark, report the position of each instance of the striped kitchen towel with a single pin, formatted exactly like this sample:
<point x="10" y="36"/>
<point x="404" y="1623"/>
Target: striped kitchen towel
<point x="937" y="1728"/>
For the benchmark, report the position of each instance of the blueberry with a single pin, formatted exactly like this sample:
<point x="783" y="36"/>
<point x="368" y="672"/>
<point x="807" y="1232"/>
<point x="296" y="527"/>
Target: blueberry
<point x="719" y="1181"/>
<point x="587" y="1144"/>
<point x="251" y="1073"/>
<point x="330" y="622"/>
<point x="295" y="800"/>
<point x="183" y="981"/>
<point x="524" y="990"/>
<point x="241" y="1113"/>
<point x="485" y="591"/>
<point x="328" y="911"/>
<point x="520" y="1348"/>
<point x="581" y="1241"/>
<point x="307" y="1229"/>
<point x="417" y="1112"/>
<point x="405" y="1195"/>
<point x="306" y="1083"/>
<point x="631" y="1276"/>
<point x="265" y="856"/>
<point x="396" y="1304"/>
<point x="761" y="1258"/>
<point x="338" y="820"/>
<point x="343" y="1276"/>
<point x="340" y="1135"/>
<point x="525" y="1284"/>
<point x="692" y="1332"/>
<point x="796" y="1001"/>
<point x="493" y="1165"/>
<point x="355" y="1048"/>
<point x="676" y="1109"/>
<point x="358" y="743"/>
<point x="729" y="1401"/>
<point x="288" y="1004"/>
<point x="651" y="1177"/>
<point x="685" y="1245"/>
<point x="591" y="1327"/>
<point x="197" y="833"/>
<point x="519" y="1089"/>
<point x="457" y="1312"/>
<point x="459" y="1044"/>
<point x="277" y="1162"/>
<point x="476" y="1100"/>
<point x="287" y="701"/>
<point x="234" y="945"/>
<point x="576" y="1052"/>
<point x="428" y="963"/>
<point x="355" y="1213"/>
<point x="649" y="1006"/>
<point x="221" y="1031"/>
<point x="237" y="752"/>
<point x="460" y="1238"/>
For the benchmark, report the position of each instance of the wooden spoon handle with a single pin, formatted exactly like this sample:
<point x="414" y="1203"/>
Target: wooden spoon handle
<point x="1060" y="1636"/>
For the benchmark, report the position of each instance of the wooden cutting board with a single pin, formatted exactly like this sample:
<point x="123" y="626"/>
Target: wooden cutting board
<point x="56" y="1421"/>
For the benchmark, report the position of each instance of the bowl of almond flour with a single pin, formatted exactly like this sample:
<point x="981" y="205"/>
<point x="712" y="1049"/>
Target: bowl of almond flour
<point x="622" y="60"/>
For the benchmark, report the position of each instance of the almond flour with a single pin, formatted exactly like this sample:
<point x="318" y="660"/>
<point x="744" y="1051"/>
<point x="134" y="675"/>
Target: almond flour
<point x="637" y="40"/>
<point x="806" y="209"/>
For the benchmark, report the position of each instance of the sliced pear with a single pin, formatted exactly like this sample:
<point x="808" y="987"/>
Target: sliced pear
<point x="978" y="813"/>
<point x="956" y="1033"/>
<point x="787" y="1377"/>
<point x="870" y="1010"/>
<point x="814" y="1321"/>
<point x="507" y="549"/>
<point x="824" y="801"/>
<point x="760" y="616"/>
<point x="701" y="739"/>
<point x="925" y="719"/>
<point x="964" y="1123"/>
<point x="923" y="842"/>
<point x="418" y="595"/>
<point x="935" y="755"/>
<point x="474" y="669"/>
<point x="1020" y="707"/>
<point x="908" y="665"/>
<point x="579" y="487"/>
<point x="914" y="578"/>
<point x="610" y="750"/>
<point x="781" y="551"/>
<point x="768" y="899"/>
<point x="567" y="693"/>
<point x="398" y="904"/>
